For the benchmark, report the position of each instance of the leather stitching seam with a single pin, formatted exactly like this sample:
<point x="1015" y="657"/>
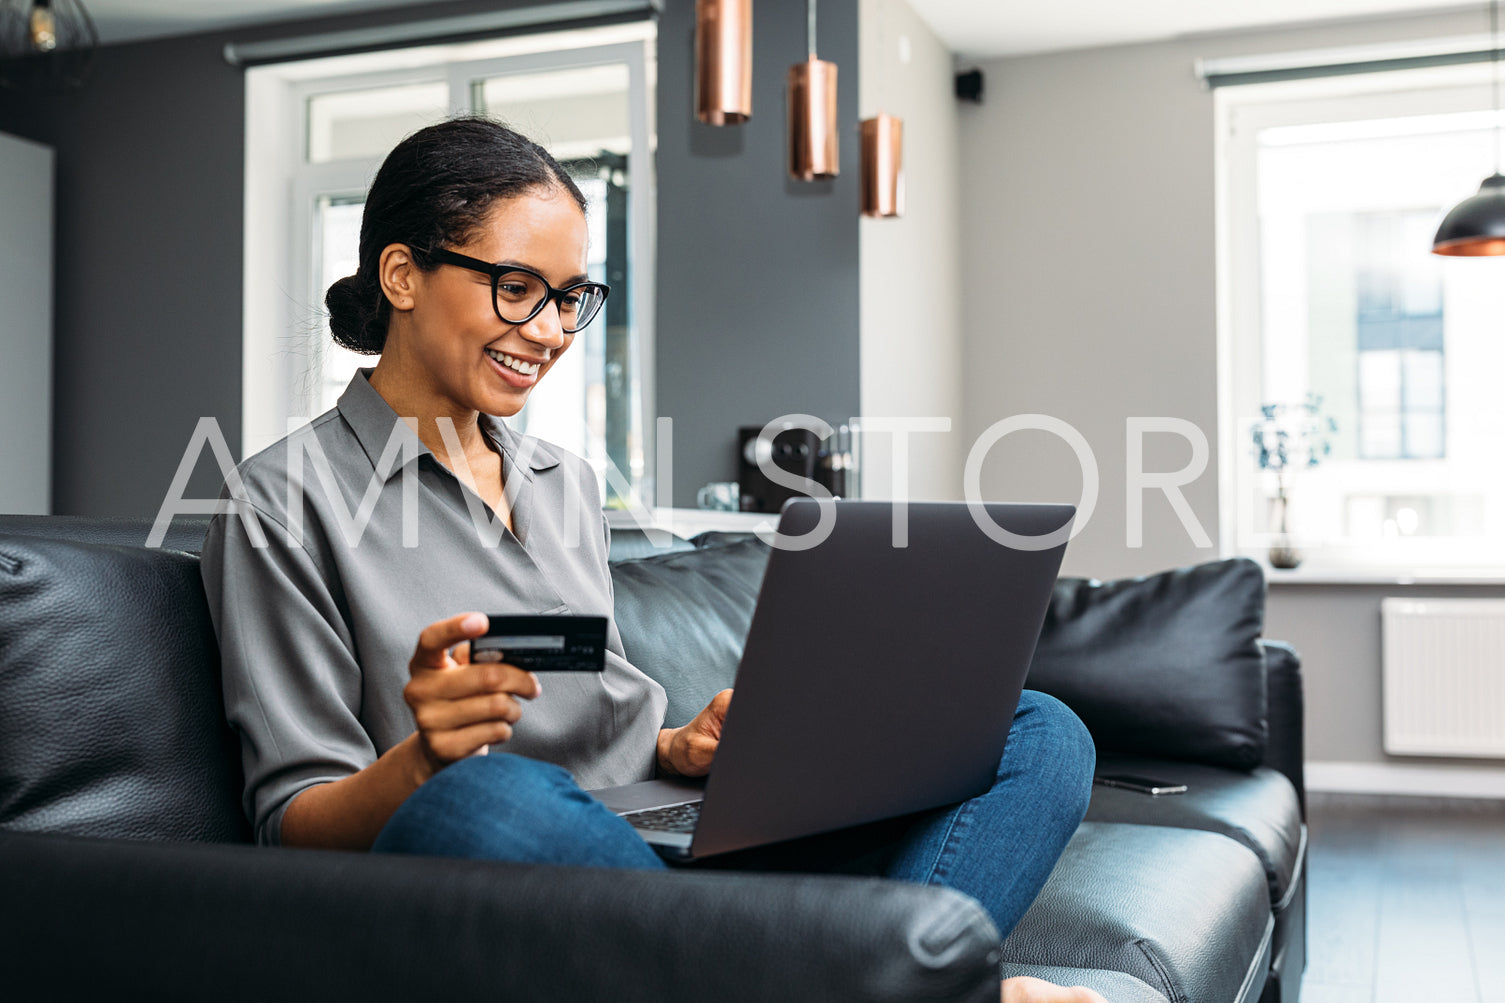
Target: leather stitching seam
<point x="1165" y="978"/>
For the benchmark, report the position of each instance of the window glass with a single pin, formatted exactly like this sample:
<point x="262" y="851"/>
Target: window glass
<point x="347" y="125"/>
<point x="337" y="223"/>
<point x="575" y="113"/>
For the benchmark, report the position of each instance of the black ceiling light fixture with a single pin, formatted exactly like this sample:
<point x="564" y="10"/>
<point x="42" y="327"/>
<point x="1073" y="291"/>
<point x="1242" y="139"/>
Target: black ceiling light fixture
<point x="1476" y="226"/>
<point x="45" y="45"/>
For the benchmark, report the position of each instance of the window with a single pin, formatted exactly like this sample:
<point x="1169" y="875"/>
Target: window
<point x="585" y="95"/>
<point x="1331" y="192"/>
<point x="1398" y="329"/>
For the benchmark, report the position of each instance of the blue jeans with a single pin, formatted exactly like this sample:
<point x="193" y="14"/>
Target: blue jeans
<point x="998" y="847"/>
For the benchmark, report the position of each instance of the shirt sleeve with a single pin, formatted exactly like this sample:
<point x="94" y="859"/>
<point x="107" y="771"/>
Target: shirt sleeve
<point x="292" y="684"/>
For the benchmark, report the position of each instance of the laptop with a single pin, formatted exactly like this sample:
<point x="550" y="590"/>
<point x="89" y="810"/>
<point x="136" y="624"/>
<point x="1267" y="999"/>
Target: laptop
<point x="905" y="663"/>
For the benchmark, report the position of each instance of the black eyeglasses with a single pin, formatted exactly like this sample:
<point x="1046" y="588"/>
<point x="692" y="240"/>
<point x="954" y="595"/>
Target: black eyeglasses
<point x="518" y="294"/>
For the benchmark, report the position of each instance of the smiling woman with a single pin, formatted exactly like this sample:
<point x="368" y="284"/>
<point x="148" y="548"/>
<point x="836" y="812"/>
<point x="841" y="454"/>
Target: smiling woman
<point x="464" y="222"/>
<point x="449" y="331"/>
<point x="317" y="131"/>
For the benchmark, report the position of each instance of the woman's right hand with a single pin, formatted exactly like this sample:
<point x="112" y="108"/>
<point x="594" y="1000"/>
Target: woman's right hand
<point x="461" y="706"/>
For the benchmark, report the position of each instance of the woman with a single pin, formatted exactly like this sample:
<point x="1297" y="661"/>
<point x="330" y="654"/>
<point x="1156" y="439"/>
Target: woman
<point x="411" y="502"/>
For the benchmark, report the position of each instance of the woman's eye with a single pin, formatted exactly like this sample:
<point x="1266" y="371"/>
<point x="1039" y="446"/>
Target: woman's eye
<point x="512" y="290"/>
<point x="570" y="301"/>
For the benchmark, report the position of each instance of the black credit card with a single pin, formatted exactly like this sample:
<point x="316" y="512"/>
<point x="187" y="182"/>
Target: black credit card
<point x="557" y="643"/>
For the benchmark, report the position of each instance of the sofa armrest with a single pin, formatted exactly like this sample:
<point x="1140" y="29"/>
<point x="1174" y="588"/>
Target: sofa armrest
<point x="1286" y="748"/>
<point x="85" y="918"/>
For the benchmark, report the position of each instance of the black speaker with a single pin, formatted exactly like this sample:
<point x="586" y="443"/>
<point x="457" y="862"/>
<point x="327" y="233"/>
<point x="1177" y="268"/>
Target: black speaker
<point x="969" y="86"/>
<point x="792" y="449"/>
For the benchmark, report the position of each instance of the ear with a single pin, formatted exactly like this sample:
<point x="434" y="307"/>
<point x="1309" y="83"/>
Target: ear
<point x="398" y="275"/>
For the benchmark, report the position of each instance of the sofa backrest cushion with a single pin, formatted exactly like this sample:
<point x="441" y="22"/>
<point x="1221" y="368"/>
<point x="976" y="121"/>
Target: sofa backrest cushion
<point x="111" y="720"/>
<point x="184" y="532"/>
<point x="629" y="542"/>
<point x="684" y="618"/>
<point x="1166" y="665"/>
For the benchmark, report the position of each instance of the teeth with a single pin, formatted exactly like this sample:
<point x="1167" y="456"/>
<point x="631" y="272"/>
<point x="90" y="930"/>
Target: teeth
<point x="526" y="368"/>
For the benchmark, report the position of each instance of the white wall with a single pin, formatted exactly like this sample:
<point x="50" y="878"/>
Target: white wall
<point x="25" y="327"/>
<point x="910" y="354"/>
<point x="1090" y="293"/>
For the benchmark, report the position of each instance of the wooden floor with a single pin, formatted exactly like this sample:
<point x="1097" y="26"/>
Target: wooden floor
<point x="1407" y="900"/>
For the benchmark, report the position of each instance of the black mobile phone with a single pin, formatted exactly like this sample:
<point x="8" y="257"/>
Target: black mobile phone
<point x="547" y="643"/>
<point x="1143" y="785"/>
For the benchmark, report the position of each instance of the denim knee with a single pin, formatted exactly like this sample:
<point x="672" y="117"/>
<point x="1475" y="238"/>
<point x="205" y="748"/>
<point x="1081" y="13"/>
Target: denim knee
<point x="1059" y="745"/>
<point x="509" y="807"/>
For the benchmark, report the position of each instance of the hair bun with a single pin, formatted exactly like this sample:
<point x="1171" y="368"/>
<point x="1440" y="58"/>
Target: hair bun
<point x="353" y="315"/>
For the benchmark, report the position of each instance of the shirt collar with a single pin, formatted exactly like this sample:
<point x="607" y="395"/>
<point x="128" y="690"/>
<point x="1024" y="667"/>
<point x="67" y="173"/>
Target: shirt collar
<point x="374" y="422"/>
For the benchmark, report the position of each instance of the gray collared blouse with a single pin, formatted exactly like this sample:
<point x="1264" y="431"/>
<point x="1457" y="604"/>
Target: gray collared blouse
<point x="317" y="625"/>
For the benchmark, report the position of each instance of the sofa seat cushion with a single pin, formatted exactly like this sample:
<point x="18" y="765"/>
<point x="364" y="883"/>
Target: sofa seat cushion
<point x="1183" y="911"/>
<point x="111" y="720"/>
<point x="1114" y="986"/>
<point x="1258" y="809"/>
<point x="684" y="618"/>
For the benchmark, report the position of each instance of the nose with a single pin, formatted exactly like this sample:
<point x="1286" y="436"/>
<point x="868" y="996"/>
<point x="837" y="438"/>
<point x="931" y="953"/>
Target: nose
<point x="545" y="329"/>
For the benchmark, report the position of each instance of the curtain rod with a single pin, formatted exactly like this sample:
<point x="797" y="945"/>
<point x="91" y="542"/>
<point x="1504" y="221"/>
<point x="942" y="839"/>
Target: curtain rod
<point x="568" y="13"/>
<point x="1238" y="70"/>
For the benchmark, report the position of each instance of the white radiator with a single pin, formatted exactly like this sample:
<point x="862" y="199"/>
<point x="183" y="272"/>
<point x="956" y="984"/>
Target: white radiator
<point x="1444" y="667"/>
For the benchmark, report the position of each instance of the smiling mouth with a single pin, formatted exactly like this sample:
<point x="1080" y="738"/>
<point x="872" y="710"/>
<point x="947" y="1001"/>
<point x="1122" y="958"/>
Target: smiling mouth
<point x="514" y="363"/>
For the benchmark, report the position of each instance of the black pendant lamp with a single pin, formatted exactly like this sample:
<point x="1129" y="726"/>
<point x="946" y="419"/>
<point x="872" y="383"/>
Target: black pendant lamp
<point x="45" y="45"/>
<point x="1476" y="226"/>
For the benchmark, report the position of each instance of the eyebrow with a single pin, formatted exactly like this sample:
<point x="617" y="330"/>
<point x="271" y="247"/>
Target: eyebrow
<point x="575" y="279"/>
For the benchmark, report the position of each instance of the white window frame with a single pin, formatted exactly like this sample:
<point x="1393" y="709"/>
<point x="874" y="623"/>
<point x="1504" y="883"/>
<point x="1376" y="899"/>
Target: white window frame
<point x="1241" y="112"/>
<point x="283" y="305"/>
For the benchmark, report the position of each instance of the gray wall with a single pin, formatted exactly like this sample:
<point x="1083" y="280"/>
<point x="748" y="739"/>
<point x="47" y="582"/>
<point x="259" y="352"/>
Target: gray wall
<point x="1337" y="631"/>
<point x="1089" y="269"/>
<point x="758" y="276"/>
<point x="25" y="326"/>
<point x="148" y="262"/>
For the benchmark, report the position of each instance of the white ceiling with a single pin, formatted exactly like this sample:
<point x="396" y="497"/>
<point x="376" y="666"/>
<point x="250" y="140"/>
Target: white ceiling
<point x="985" y="28"/>
<point x="973" y="28"/>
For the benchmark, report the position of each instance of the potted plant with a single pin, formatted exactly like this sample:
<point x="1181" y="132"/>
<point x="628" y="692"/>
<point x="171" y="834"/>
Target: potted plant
<point x="1288" y="438"/>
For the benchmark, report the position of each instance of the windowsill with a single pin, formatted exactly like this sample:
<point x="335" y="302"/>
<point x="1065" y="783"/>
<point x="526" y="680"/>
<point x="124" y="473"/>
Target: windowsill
<point x="1381" y="576"/>
<point x="689" y="522"/>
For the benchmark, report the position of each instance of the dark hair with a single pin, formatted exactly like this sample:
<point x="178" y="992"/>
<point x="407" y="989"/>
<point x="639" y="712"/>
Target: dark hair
<point x="435" y="188"/>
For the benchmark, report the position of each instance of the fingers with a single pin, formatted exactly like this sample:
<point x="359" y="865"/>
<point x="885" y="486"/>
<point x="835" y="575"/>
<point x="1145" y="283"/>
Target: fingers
<point x="719" y="703"/>
<point x="1026" y="989"/>
<point x="437" y="638"/>
<point x="465" y="680"/>
<point x="695" y="754"/>
<point x="450" y="715"/>
<point x="452" y="746"/>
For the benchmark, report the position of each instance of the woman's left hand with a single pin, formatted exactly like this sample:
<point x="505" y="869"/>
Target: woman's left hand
<point x="688" y="751"/>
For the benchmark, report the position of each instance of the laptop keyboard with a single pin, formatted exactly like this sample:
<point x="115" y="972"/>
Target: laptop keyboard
<point x="675" y="818"/>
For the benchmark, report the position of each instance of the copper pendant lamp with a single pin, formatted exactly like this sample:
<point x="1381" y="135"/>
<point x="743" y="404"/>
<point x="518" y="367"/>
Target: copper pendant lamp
<point x="1476" y="226"/>
<point x="812" y="113"/>
<point x="882" y="166"/>
<point x="723" y="61"/>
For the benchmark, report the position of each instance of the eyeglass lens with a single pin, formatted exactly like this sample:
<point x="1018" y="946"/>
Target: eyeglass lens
<point x="519" y="295"/>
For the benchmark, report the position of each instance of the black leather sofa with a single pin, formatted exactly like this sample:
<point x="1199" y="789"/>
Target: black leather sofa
<point x="126" y="870"/>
